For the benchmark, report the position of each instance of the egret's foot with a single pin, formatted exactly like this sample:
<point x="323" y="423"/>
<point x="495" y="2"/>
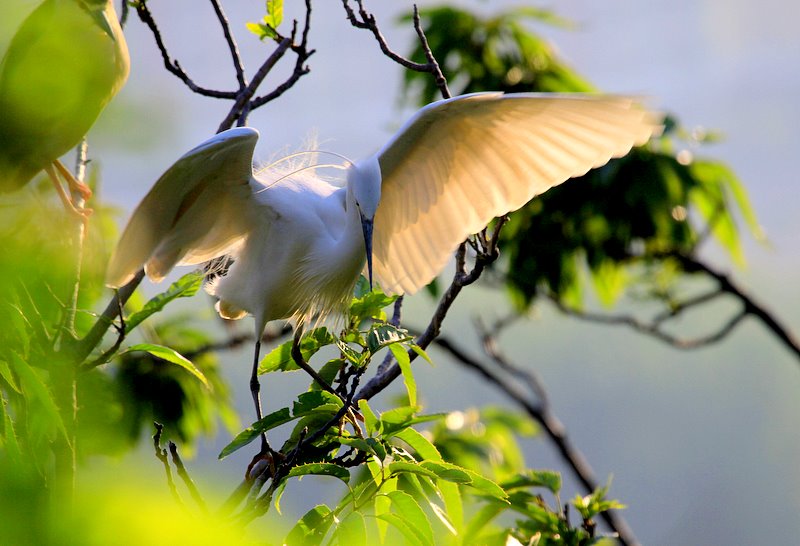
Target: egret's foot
<point x="73" y="183"/>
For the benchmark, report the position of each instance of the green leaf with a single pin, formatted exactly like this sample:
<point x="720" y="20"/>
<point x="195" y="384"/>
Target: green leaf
<point x="457" y="474"/>
<point x="311" y="528"/>
<point x="396" y="468"/>
<point x="280" y="358"/>
<point x="382" y="335"/>
<point x="11" y="447"/>
<point x="320" y="469"/>
<point x="448" y="472"/>
<point x="274" y="16"/>
<point x="411" y="514"/>
<point x="352" y="531"/>
<point x="421" y="352"/>
<point x="369" y="305"/>
<point x="309" y="401"/>
<point x="371" y="421"/>
<point x="172" y="356"/>
<point x="5" y="373"/>
<point x="186" y="286"/>
<point x="274" y="419"/>
<point x="396" y="419"/>
<point x="548" y="479"/>
<point x="424" y="448"/>
<point x="35" y="389"/>
<point x="480" y="519"/>
<point x="403" y="360"/>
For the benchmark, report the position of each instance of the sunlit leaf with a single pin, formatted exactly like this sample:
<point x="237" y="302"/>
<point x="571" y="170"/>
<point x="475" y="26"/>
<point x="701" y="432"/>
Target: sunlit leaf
<point x="169" y="355"/>
<point x="311" y="528"/>
<point x="320" y="469"/>
<point x="35" y="388"/>
<point x="535" y="478"/>
<point x="5" y="373"/>
<point x="274" y="419"/>
<point x="371" y="421"/>
<point x="280" y="358"/>
<point x="424" y="448"/>
<point x="352" y="531"/>
<point x="409" y="512"/>
<point x="381" y="335"/>
<point x="186" y="286"/>
<point x="403" y="360"/>
<point x="274" y="16"/>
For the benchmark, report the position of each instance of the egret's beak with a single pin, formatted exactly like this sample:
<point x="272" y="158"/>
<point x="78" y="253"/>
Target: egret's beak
<point x="101" y="20"/>
<point x="366" y="226"/>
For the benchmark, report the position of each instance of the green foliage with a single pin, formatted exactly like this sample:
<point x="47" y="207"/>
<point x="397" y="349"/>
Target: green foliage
<point x="267" y="28"/>
<point x="632" y="213"/>
<point x="497" y="53"/>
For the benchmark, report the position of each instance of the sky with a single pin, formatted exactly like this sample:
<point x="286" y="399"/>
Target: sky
<point x="702" y="445"/>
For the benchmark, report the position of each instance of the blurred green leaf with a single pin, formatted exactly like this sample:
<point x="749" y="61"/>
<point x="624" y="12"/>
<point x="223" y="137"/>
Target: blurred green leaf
<point x="409" y="518"/>
<point x="311" y="528"/>
<point x="169" y="355"/>
<point x="5" y="373"/>
<point x="36" y="389"/>
<point x="185" y="287"/>
<point x="535" y="478"/>
<point x="352" y="531"/>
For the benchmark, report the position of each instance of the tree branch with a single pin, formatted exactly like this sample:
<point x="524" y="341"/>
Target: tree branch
<point x="231" y="41"/>
<point x="542" y="413"/>
<point x="173" y="66"/>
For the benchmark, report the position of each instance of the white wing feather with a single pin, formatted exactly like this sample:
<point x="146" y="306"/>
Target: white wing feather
<point x="196" y="211"/>
<point x="461" y="162"/>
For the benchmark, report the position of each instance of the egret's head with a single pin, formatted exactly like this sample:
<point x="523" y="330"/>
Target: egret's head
<point x="364" y="186"/>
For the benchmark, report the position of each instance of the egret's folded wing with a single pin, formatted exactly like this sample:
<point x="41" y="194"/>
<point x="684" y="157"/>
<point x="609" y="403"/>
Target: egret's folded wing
<point x="461" y="162"/>
<point x="194" y="212"/>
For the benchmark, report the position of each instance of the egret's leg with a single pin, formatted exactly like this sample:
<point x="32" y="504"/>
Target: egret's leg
<point x="82" y="213"/>
<point x="255" y="390"/>
<point x="297" y="356"/>
<point x="72" y="182"/>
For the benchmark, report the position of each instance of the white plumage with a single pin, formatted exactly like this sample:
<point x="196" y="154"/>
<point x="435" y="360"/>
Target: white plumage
<point x="297" y="239"/>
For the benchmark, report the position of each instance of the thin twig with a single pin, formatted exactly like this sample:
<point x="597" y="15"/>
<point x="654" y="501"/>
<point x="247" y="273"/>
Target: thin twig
<point x="231" y="41"/>
<point x="542" y="414"/>
<point x="173" y="66"/>
<point x="187" y="480"/>
<point x="161" y="455"/>
<point x="244" y="96"/>
<point x="652" y="329"/>
<point x="751" y="307"/>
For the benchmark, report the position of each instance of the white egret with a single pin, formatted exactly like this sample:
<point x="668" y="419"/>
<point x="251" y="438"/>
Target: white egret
<point x="66" y="61"/>
<point x="299" y="242"/>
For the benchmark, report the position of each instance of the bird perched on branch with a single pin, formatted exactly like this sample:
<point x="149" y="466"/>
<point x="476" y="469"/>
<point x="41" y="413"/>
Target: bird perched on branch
<point x="66" y="61"/>
<point x="299" y="241"/>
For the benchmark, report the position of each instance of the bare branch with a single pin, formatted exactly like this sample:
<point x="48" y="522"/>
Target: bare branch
<point x="300" y="67"/>
<point x="243" y="97"/>
<point x="652" y="329"/>
<point x="751" y="307"/>
<point x="187" y="480"/>
<point x="173" y="66"/>
<point x="541" y="412"/>
<point x="365" y="20"/>
<point x="462" y="278"/>
<point x="161" y="455"/>
<point x="231" y="41"/>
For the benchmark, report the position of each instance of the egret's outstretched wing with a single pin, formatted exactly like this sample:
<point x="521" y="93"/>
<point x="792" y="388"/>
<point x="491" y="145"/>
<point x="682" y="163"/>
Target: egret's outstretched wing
<point x="461" y="162"/>
<point x="197" y="210"/>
